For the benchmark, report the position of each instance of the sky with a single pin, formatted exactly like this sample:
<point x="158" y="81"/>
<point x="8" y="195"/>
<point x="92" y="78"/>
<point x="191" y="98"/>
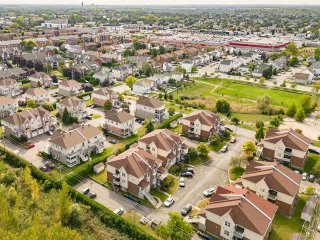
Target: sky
<point x="162" y="2"/>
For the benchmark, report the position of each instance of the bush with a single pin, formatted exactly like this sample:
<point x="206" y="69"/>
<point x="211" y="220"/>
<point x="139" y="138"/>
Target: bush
<point x="166" y="123"/>
<point x="82" y="95"/>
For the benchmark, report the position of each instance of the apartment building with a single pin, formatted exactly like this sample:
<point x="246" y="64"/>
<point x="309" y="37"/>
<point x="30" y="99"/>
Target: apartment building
<point x="150" y="108"/>
<point x="39" y="95"/>
<point x="235" y="213"/>
<point x="29" y="123"/>
<point x="75" y="106"/>
<point x="286" y="146"/>
<point x="165" y="145"/>
<point x="135" y="171"/>
<point x="10" y="87"/>
<point x="69" y="88"/>
<point x="40" y="78"/>
<point x="8" y="106"/>
<point x="274" y="182"/>
<point x="102" y="95"/>
<point x="77" y="144"/>
<point x="119" y="123"/>
<point x="201" y="124"/>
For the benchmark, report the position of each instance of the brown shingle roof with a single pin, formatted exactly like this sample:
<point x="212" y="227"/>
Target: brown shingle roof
<point x="70" y="83"/>
<point x="276" y="176"/>
<point x="20" y="117"/>
<point x="204" y="116"/>
<point x="7" y="100"/>
<point x="71" y="101"/>
<point x="244" y="207"/>
<point x="119" y="117"/>
<point x="36" y="91"/>
<point x="150" y="102"/>
<point x="7" y="82"/>
<point x="105" y="92"/>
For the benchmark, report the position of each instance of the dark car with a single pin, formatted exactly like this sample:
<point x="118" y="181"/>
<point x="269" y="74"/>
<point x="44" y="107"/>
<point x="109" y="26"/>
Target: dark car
<point x="314" y="151"/>
<point x="188" y="170"/>
<point x="49" y="164"/>
<point x="186" y="210"/>
<point x="44" y="168"/>
<point x="311" y="178"/>
<point x="186" y="174"/>
<point x="89" y="117"/>
<point x="92" y="195"/>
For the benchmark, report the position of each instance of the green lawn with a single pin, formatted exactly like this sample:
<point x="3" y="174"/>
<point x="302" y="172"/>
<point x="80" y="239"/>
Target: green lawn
<point x="312" y="160"/>
<point x="89" y="102"/>
<point x="216" y="148"/>
<point x="100" y="177"/>
<point x="177" y="129"/>
<point x="134" y="218"/>
<point x="251" y="117"/>
<point x="176" y="169"/>
<point x="54" y="112"/>
<point x="316" y="143"/>
<point x="173" y="187"/>
<point x="236" y="172"/>
<point x="96" y="116"/>
<point x="159" y="194"/>
<point x="283" y="227"/>
<point x="199" y="160"/>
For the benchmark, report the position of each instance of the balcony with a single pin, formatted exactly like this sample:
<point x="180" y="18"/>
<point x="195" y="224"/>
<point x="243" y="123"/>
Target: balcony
<point x="272" y="196"/>
<point x="191" y="130"/>
<point x="238" y="232"/>
<point x="116" y="181"/>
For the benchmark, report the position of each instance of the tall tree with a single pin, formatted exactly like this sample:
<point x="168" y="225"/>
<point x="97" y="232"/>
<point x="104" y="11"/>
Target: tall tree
<point x="249" y="148"/>
<point x="203" y="150"/>
<point x="260" y="134"/>
<point x="130" y="80"/>
<point x="64" y="204"/>
<point x="107" y="105"/>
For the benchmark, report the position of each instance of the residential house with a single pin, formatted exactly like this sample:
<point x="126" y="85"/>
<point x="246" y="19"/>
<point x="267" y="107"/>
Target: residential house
<point x="77" y="144"/>
<point x="101" y="95"/>
<point x="311" y="59"/>
<point x="235" y="213"/>
<point x="315" y="68"/>
<point x="201" y="124"/>
<point x="274" y="182"/>
<point x="75" y="106"/>
<point x="259" y="70"/>
<point x="119" y="123"/>
<point x="134" y="171"/>
<point x="187" y="66"/>
<point x="303" y="78"/>
<point x="14" y="73"/>
<point x="10" y="87"/>
<point x="69" y="88"/>
<point x="165" y="145"/>
<point x="30" y="59"/>
<point x="29" y="123"/>
<point x="167" y="67"/>
<point x="121" y="72"/>
<point x="106" y="77"/>
<point x="226" y="66"/>
<point x="8" y="106"/>
<point x="139" y="61"/>
<point x="285" y="146"/>
<point x="40" y="78"/>
<point x="150" y="108"/>
<point x="39" y="95"/>
<point x="143" y="86"/>
<point x="279" y="63"/>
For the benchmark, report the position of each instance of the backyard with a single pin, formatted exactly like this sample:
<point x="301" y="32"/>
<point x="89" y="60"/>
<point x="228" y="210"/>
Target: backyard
<point x="236" y="172"/>
<point x="311" y="162"/>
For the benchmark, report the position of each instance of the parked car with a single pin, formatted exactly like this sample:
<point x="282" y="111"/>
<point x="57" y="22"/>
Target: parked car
<point x="50" y="133"/>
<point x="182" y="182"/>
<point x="185" y="211"/>
<point x="169" y="201"/>
<point x="224" y="149"/>
<point x="119" y="211"/>
<point x="233" y="140"/>
<point x="50" y="165"/>
<point x="314" y="151"/>
<point x="304" y="176"/>
<point x="92" y="195"/>
<point x="88" y="117"/>
<point x="86" y="191"/>
<point x="208" y="192"/>
<point x="30" y="145"/>
<point x="186" y="174"/>
<point x="143" y="221"/>
<point x="296" y="171"/>
<point x="311" y="178"/>
<point x="188" y="170"/>
<point x="44" y="168"/>
<point x="112" y="141"/>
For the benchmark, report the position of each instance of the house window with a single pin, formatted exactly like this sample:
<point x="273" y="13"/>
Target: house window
<point x="123" y="174"/>
<point x="226" y="232"/>
<point x="226" y="223"/>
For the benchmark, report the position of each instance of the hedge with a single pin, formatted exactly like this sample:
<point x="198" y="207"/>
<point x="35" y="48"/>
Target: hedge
<point x="166" y="123"/>
<point x="106" y="216"/>
<point x="82" y="95"/>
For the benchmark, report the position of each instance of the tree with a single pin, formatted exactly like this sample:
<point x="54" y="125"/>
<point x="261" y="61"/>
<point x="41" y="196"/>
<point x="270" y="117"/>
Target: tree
<point x="238" y="161"/>
<point x="171" y="111"/>
<point x="275" y="122"/>
<point x="267" y="73"/>
<point x="147" y="69"/>
<point x="283" y="84"/>
<point x="176" y="228"/>
<point x="300" y="115"/>
<point x="249" y="148"/>
<point x="235" y="120"/>
<point x="259" y="124"/>
<point x="316" y="168"/>
<point x="262" y="80"/>
<point x="293" y="85"/>
<point x="306" y="105"/>
<point x="130" y="80"/>
<point x="317" y="53"/>
<point x="149" y="126"/>
<point x="260" y="134"/>
<point x="107" y="105"/>
<point x="64" y="204"/>
<point x="66" y="117"/>
<point x="292" y="49"/>
<point x="223" y="106"/>
<point x="162" y="49"/>
<point x="194" y="68"/>
<point x="264" y="104"/>
<point x="292" y="110"/>
<point x="203" y="150"/>
<point x="215" y="140"/>
<point x="31" y="103"/>
<point x="293" y="61"/>
<point x="192" y="153"/>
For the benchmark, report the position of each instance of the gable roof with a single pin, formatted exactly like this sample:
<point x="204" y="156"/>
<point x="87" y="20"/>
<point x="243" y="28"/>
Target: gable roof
<point x="71" y="101"/>
<point x="70" y="83"/>
<point x="276" y="176"/>
<point x="7" y="100"/>
<point x="36" y="91"/>
<point x="244" y="207"/>
<point x="20" y="117"/>
<point x="119" y="117"/>
<point x="150" y="102"/>
<point x="204" y="116"/>
<point x="105" y="92"/>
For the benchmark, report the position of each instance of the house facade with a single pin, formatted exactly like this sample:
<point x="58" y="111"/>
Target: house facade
<point x="39" y="95"/>
<point x="165" y="145"/>
<point x="143" y="86"/>
<point x="75" y="106"/>
<point x="150" y="108"/>
<point x="201" y="124"/>
<point x="101" y="95"/>
<point x="69" y="88"/>
<point x="77" y="144"/>
<point x="274" y="182"/>
<point x="119" y="123"/>
<point x="29" y="123"/>
<point x="8" y="106"/>
<point x="285" y="146"/>
<point x="40" y="78"/>
<point x="10" y="87"/>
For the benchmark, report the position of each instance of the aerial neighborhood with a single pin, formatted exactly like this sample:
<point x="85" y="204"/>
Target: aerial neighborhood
<point x="160" y="122"/>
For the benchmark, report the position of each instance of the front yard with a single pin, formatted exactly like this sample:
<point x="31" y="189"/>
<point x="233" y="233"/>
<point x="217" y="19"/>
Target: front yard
<point x="311" y="162"/>
<point x="283" y="227"/>
<point x="236" y="172"/>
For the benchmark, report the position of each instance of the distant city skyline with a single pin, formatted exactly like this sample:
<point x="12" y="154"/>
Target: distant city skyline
<point x="162" y="2"/>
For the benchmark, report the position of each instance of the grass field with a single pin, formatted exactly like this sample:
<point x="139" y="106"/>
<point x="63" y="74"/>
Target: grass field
<point x="173" y="187"/>
<point x="236" y="172"/>
<point x="283" y="227"/>
<point x="96" y="116"/>
<point x="161" y="195"/>
<point x="312" y="160"/>
<point x="243" y="98"/>
<point x="100" y="177"/>
<point x="251" y="117"/>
